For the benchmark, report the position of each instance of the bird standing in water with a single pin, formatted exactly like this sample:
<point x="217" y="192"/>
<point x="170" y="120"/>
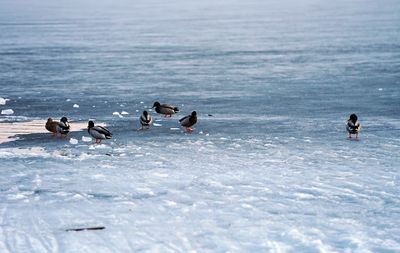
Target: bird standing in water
<point x="353" y="126"/>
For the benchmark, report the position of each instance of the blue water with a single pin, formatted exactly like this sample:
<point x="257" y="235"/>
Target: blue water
<point x="273" y="83"/>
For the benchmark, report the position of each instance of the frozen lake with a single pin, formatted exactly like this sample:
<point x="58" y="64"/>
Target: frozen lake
<point x="268" y="167"/>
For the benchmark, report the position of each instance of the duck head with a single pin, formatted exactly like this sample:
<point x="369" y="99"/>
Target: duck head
<point x="90" y="124"/>
<point x="353" y="118"/>
<point x="156" y="104"/>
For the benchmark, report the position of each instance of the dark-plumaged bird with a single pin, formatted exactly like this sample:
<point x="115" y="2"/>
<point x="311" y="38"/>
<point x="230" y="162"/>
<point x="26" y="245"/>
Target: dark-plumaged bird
<point x="188" y="121"/>
<point x="165" y="109"/>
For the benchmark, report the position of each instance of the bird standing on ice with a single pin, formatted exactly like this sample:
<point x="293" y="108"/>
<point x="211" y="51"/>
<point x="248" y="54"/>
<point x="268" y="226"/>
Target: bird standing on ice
<point x="165" y="109"/>
<point x="188" y="121"/>
<point x="56" y="127"/>
<point x="353" y="126"/>
<point x="98" y="132"/>
<point x="146" y="120"/>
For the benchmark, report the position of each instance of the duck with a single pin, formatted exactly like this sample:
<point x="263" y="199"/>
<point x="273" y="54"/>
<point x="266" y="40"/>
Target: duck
<point x="62" y="127"/>
<point x="165" y="109"/>
<point x="146" y="120"/>
<point x="98" y="132"/>
<point x="353" y="126"/>
<point x="188" y="121"/>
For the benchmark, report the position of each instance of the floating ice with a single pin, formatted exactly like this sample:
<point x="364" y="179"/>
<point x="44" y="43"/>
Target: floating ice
<point x="73" y="141"/>
<point x="2" y="101"/>
<point x="117" y="114"/>
<point x="141" y="102"/>
<point x="174" y="128"/>
<point x="157" y="125"/>
<point x="380" y="89"/>
<point x="75" y="106"/>
<point x="7" y="112"/>
<point x="86" y="139"/>
<point x="124" y="113"/>
<point x="68" y="99"/>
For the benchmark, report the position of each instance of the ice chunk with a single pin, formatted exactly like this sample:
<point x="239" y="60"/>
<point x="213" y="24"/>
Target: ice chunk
<point x="73" y="141"/>
<point x="68" y="99"/>
<point x="117" y="114"/>
<point x="174" y="128"/>
<point x="7" y="111"/>
<point x="75" y="106"/>
<point x="86" y="139"/>
<point x="2" y="101"/>
<point x="124" y="113"/>
<point x="157" y="125"/>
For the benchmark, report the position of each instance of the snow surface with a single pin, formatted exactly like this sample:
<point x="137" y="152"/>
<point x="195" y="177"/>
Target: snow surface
<point x="268" y="167"/>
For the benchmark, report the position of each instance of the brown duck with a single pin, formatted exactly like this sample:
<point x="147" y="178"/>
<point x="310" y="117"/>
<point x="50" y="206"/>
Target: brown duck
<point x="165" y="109"/>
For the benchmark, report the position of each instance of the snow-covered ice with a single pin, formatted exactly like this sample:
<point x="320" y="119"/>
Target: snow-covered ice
<point x="268" y="167"/>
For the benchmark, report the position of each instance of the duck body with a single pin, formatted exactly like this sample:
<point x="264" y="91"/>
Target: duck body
<point x="98" y="132"/>
<point x="146" y="120"/>
<point x="353" y="128"/>
<point x="189" y="121"/>
<point x="51" y="126"/>
<point x="165" y="109"/>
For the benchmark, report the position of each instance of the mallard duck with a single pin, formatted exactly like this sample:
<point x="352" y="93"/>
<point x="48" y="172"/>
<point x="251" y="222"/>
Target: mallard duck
<point x="98" y="132"/>
<point x="56" y="127"/>
<point x="63" y="126"/>
<point x="165" y="109"/>
<point x="146" y="120"/>
<point x="353" y="126"/>
<point x="188" y="121"/>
